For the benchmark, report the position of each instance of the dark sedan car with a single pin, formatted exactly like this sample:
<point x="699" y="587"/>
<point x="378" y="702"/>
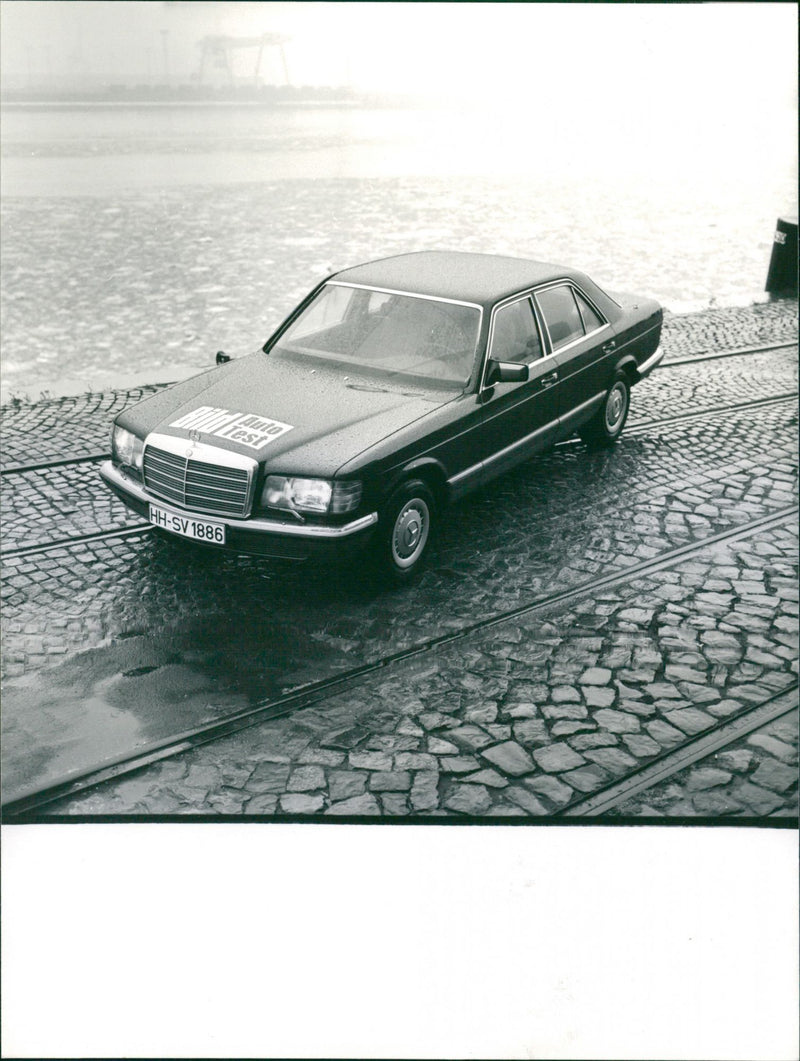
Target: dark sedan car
<point x="394" y="388"/>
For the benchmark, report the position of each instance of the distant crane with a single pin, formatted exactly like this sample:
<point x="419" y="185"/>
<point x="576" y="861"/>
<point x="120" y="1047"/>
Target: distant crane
<point x="217" y="51"/>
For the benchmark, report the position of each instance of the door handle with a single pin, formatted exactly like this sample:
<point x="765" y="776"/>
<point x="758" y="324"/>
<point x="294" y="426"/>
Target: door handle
<point x="608" y="347"/>
<point x="548" y="381"/>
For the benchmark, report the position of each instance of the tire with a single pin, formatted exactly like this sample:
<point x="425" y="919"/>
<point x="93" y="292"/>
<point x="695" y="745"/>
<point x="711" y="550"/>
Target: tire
<point x="606" y="425"/>
<point x="406" y="521"/>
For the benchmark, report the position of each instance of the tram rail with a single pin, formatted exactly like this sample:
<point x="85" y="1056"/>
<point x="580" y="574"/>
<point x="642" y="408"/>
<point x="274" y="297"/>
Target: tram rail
<point x="641" y="426"/>
<point x="88" y="458"/>
<point x="692" y="750"/>
<point x="33" y="799"/>
<point x="714" y="355"/>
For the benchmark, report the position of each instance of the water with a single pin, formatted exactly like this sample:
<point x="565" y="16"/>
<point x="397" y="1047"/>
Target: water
<point x="138" y="240"/>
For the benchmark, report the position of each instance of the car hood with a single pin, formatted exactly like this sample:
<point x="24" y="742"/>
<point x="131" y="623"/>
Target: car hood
<point x="293" y="417"/>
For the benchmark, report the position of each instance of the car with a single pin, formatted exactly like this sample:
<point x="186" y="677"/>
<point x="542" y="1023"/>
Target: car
<point x="392" y="390"/>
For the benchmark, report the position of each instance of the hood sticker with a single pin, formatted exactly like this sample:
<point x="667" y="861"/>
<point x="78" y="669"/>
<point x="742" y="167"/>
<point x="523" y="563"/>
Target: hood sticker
<point x="244" y="428"/>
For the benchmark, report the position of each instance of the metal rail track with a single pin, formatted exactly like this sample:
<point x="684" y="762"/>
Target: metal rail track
<point x="638" y="427"/>
<point x="304" y="696"/>
<point x="43" y="466"/>
<point x="78" y="539"/>
<point x="741" y="351"/>
<point x="14" y="469"/>
<point x="691" y="751"/>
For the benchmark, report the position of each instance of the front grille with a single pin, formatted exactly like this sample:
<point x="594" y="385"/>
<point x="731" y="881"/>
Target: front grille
<point x="196" y="484"/>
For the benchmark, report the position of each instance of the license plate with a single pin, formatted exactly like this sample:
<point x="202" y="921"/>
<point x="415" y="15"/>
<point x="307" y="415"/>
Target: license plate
<point x="187" y="526"/>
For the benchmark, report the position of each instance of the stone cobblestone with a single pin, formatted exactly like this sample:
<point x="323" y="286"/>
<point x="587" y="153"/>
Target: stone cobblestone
<point x="539" y="772"/>
<point x="60" y="428"/>
<point x="59" y="503"/>
<point x="729" y="328"/>
<point x="693" y="386"/>
<point x="749" y="777"/>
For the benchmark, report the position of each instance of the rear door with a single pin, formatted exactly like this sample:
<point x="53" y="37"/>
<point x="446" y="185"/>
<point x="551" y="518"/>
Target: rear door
<point x="519" y="418"/>
<point x="582" y="342"/>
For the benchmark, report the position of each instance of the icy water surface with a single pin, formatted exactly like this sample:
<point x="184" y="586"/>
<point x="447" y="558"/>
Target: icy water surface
<point x="139" y="240"/>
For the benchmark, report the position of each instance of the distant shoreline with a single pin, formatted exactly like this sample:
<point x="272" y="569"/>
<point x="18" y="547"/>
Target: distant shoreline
<point x="122" y="103"/>
<point x="266" y="99"/>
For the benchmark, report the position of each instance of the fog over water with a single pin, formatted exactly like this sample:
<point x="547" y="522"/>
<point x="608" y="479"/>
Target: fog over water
<point x="653" y="146"/>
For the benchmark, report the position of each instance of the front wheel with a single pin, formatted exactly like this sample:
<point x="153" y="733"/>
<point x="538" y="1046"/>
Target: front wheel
<point x="606" y="425"/>
<point x="406" y="528"/>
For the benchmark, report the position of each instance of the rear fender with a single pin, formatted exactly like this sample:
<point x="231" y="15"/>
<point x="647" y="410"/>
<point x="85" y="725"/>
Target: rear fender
<point x="629" y="366"/>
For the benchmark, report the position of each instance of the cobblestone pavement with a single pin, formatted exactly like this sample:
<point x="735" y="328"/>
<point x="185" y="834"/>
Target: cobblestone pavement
<point x="729" y="328"/>
<point x="526" y="717"/>
<point x="694" y="387"/>
<point x="62" y="427"/>
<point x="57" y="503"/>
<point x="754" y="775"/>
<point x="144" y="640"/>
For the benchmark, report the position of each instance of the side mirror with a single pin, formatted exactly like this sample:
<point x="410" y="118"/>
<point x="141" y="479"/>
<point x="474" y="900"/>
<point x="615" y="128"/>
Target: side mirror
<point x="222" y="357"/>
<point x="505" y="372"/>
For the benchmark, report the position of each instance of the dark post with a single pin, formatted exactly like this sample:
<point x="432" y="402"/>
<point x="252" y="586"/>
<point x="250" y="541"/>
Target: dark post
<point x="782" y="275"/>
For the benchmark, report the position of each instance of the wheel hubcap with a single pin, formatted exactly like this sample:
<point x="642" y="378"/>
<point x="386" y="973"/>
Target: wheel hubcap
<point x="615" y="406"/>
<point x="410" y="532"/>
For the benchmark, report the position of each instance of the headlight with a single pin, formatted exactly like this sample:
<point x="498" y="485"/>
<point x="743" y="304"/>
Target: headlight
<point x="126" y="448"/>
<point x="310" y="495"/>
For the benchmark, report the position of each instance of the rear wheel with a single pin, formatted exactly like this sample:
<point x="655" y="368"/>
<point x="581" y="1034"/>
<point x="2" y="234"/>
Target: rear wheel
<point x="406" y="526"/>
<point x="606" y="425"/>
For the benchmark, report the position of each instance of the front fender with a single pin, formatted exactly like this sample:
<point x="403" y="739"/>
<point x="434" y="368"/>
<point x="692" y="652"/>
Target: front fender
<point x="427" y="468"/>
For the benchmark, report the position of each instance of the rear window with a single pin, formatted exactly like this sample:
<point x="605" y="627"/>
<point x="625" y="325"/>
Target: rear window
<point x="591" y="319"/>
<point x="561" y="315"/>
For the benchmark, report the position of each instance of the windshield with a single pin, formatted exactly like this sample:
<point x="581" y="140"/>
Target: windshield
<point x="386" y="332"/>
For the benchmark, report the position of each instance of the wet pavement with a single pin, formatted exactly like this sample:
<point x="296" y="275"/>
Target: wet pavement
<point x="111" y="646"/>
<point x="528" y="716"/>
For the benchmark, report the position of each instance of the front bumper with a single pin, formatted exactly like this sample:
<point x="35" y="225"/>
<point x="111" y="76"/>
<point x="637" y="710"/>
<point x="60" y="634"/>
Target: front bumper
<point x="257" y="536"/>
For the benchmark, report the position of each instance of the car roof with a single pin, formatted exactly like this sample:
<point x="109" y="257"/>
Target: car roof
<point x="464" y="277"/>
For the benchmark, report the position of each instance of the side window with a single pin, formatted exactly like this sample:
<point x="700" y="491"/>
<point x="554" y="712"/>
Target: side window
<point x="560" y="311"/>
<point x="591" y="319"/>
<point x="515" y="336"/>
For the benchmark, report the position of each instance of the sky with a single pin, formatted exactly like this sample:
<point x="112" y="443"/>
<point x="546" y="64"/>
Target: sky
<point x="520" y="54"/>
